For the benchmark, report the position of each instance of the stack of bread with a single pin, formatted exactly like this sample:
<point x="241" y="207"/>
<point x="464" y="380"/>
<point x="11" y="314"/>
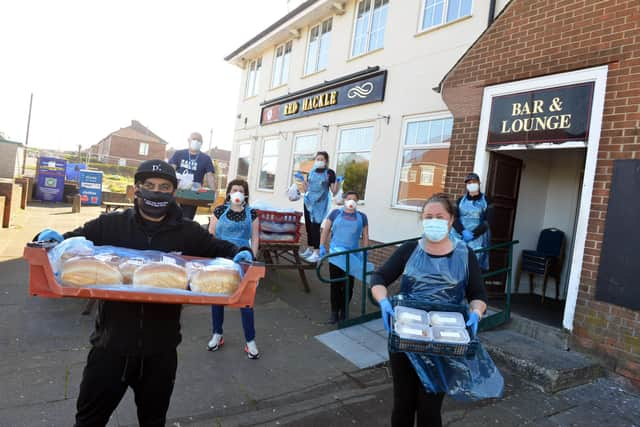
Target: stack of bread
<point x="213" y="279"/>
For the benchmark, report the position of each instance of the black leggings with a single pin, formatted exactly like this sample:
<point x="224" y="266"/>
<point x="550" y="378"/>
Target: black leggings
<point x="338" y="289"/>
<point x="409" y="396"/>
<point x="313" y="230"/>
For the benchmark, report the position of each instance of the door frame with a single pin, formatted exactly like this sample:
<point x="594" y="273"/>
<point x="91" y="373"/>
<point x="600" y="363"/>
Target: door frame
<point x="598" y="75"/>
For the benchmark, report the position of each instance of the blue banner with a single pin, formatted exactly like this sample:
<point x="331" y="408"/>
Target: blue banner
<point x="91" y="187"/>
<point x="51" y="173"/>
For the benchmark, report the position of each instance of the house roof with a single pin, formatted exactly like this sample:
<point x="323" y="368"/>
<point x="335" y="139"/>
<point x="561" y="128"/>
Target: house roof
<point x="138" y="132"/>
<point x="2" y="140"/>
<point x="220" y="154"/>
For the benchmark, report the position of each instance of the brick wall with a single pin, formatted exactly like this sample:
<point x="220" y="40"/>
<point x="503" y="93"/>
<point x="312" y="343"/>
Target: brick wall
<point x="128" y="149"/>
<point x="539" y="37"/>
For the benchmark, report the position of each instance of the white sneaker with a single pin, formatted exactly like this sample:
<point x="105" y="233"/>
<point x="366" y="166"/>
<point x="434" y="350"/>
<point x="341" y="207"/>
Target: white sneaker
<point x="216" y="342"/>
<point x="306" y="253"/>
<point x="252" y="350"/>
<point x="314" y="257"/>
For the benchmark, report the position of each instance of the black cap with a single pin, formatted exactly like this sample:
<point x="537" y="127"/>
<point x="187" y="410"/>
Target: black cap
<point x="471" y="176"/>
<point x="156" y="169"/>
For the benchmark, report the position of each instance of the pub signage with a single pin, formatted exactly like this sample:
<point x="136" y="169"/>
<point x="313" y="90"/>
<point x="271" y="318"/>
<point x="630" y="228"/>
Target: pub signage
<point x="553" y="115"/>
<point x="334" y="96"/>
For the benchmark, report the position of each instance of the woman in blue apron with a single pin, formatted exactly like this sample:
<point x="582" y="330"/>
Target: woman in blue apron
<point x="320" y="184"/>
<point x="472" y="225"/>
<point x="436" y="269"/>
<point x="235" y="222"/>
<point x="343" y="229"/>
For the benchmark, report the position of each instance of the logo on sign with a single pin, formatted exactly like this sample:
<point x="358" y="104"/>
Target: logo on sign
<point x="361" y="91"/>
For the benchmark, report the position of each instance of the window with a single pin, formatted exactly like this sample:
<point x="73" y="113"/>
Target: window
<point x="253" y="77"/>
<point x="318" y="49"/>
<point x="143" y="149"/>
<point x="281" y="64"/>
<point x="354" y="153"/>
<point x="304" y="154"/>
<point x="269" y="164"/>
<point x="371" y="19"/>
<point x="437" y="12"/>
<point x="244" y="161"/>
<point x="425" y="151"/>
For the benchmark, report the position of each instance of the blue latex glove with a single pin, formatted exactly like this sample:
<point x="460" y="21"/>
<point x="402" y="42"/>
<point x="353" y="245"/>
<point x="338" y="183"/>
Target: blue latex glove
<point x="323" y="251"/>
<point x="243" y="256"/>
<point x="386" y="311"/>
<point x="48" y="235"/>
<point x="467" y="236"/>
<point x="473" y="322"/>
<point x="339" y="179"/>
<point x="299" y="176"/>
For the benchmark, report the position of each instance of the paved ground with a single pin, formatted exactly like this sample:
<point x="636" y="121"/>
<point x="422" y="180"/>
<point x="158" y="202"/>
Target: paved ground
<point x="298" y="381"/>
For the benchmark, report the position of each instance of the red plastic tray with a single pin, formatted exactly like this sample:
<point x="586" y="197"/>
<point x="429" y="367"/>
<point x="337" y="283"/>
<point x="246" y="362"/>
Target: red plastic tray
<point x="281" y="217"/>
<point x="43" y="283"/>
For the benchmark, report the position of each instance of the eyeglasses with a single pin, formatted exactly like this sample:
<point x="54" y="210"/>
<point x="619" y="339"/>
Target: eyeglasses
<point x="164" y="187"/>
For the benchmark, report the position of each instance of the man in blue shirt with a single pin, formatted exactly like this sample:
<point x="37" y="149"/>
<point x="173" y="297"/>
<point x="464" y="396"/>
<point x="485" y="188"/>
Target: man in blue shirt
<point x="193" y="166"/>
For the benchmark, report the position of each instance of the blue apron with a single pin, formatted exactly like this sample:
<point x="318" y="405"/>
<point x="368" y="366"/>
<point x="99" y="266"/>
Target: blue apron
<point x="445" y="279"/>
<point x="472" y="214"/>
<point x="238" y="233"/>
<point x="317" y="197"/>
<point x="345" y="235"/>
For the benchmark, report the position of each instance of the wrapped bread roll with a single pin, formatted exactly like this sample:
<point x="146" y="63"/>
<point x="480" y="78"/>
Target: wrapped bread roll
<point x="128" y="267"/>
<point x="89" y="271"/>
<point x="215" y="280"/>
<point x="161" y="276"/>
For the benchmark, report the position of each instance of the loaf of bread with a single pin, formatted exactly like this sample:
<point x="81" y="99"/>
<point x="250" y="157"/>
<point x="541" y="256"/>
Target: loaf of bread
<point x="89" y="271"/>
<point x="215" y="280"/>
<point x="160" y="276"/>
<point x="128" y="267"/>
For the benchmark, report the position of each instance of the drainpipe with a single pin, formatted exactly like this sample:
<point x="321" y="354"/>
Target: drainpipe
<point x="492" y="12"/>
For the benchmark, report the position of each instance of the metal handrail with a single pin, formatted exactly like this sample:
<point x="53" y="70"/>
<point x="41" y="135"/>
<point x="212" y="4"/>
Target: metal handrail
<point x="503" y="316"/>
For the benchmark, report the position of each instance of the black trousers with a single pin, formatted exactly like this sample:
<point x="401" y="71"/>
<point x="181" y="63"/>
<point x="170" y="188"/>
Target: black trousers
<point x="313" y="230"/>
<point x="409" y="396"/>
<point x="338" y="289"/>
<point x="107" y="376"/>
<point x="188" y="211"/>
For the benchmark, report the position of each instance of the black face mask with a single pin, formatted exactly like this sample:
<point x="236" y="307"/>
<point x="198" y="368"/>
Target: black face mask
<point x="154" y="204"/>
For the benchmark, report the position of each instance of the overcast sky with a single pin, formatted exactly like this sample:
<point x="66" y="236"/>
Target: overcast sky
<point x="94" y="66"/>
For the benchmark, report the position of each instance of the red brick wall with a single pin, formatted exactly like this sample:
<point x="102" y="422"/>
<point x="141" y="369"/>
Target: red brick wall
<point x="539" y="37"/>
<point x="128" y="148"/>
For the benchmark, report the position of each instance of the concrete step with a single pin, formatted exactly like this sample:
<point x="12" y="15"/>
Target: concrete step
<point x="541" y="364"/>
<point x="546" y="334"/>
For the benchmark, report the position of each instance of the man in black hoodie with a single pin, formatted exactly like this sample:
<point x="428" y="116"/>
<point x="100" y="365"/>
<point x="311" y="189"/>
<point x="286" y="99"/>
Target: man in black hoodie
<point x="134" y="344"/>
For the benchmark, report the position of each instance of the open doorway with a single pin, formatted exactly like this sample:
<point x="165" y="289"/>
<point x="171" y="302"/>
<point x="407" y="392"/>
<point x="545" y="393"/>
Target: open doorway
<point x="543" y="192"/>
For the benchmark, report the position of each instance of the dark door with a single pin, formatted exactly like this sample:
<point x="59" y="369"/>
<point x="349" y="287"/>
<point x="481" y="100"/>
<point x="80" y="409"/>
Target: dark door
<point x="503" y="183"/>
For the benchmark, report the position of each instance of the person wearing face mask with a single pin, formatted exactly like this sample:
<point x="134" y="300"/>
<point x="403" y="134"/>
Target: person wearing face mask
<point x="236" y="222"/>
<point x="193" y="167"/>
<point x="435" y="269"/>
<point x="475" y="213"/>
<point x="344" y="229"/>
<point x="320" y="182"/>
<point x="134" y="344"/>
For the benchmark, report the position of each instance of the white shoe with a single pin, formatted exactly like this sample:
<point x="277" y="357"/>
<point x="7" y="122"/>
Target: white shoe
<point x="216" y="342"/>
<point x="252" y="350"/>
<point x="306" y="253"/>
<point x="314" y="257"/>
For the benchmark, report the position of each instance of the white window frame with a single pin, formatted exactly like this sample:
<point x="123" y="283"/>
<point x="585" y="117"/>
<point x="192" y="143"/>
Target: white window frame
<point x="253" y="81"/>
<point x="143" y="149"/>
<point x="338" y="152"/>
<point x="279" y="141"/>
<point x="316" y="69"/>
<point x="445" y="12"/>
<point x="281" y="78"/>
<point x="431" y="173"/>
<point x="238" y="157"/>
<point x="402" y="147"/>
<point x="294" y="152"/>
<point x="355" y="26"/>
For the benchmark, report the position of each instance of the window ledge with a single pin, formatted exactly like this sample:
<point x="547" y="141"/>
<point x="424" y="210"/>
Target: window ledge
<point x="362" y="55"/>
<point x="407" y="208"/>
<point x="304" y="76"/>
<point x="265" y="190"/>
<point x="251" y="97"/>
<point x="279" y="86"/>
<point x="440" y="26"/>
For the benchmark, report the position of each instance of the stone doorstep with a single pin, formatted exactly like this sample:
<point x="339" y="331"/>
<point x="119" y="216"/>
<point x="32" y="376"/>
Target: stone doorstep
<point x="543" y="365"/>
<point x="546" y="334"/>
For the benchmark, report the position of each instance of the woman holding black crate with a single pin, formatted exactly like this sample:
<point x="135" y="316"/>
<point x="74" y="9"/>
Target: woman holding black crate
<point x="435" y="269"/>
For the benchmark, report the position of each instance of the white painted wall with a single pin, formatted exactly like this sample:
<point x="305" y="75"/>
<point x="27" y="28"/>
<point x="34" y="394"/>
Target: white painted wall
<point x="416" y="62"/>
<point x="549" y="193"/>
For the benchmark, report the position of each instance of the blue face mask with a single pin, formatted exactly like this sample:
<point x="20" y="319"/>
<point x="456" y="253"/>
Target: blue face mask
<point x="435" y="229"/>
